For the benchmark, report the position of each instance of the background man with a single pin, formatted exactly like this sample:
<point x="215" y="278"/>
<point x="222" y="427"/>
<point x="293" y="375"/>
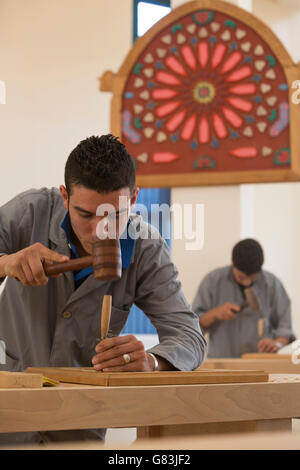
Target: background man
<point x="221" y="294"/>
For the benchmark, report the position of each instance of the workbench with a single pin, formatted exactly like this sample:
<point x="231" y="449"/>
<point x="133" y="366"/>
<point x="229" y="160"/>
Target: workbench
<point x="156" y="411"/>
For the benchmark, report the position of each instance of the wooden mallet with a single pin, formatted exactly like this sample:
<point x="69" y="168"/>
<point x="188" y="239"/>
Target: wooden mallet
<point x="105" y="259"/>
<point x="252" y="302"/>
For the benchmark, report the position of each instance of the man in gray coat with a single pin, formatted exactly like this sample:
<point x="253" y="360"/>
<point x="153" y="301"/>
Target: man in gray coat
<point x="55" y="321"/>
<point x="232" y="324"/>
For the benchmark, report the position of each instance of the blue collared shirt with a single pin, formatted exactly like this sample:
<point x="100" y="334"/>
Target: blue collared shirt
<point x="126" y="244"/>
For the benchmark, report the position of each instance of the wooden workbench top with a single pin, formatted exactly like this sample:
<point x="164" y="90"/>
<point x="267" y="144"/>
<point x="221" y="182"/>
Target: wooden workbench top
<point x="84" y="406"/>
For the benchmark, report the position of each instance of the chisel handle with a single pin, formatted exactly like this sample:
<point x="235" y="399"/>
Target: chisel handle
<point x="105" y="315"/>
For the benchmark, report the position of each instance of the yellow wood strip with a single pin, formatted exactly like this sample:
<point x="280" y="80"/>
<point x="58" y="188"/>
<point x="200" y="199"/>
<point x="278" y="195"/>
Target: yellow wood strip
<point x="72" y="375"/>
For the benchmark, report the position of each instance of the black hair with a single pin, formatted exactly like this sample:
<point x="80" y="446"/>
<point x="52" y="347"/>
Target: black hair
<point x="100" y="163"/>
<point x="248" y="256"/>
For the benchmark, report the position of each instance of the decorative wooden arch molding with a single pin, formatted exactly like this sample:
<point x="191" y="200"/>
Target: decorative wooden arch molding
<point x="204" y="98"/>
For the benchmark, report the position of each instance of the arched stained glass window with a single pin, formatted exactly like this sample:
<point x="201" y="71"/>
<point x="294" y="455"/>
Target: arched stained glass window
<point x="204" y="98"/>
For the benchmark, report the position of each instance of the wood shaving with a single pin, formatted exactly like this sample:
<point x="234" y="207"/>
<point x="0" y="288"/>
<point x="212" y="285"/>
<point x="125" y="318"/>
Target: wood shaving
<point x="284" y="378"/>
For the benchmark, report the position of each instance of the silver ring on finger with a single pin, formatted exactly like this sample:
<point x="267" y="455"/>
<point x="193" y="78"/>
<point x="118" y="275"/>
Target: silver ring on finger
<point x="126" y="358"/>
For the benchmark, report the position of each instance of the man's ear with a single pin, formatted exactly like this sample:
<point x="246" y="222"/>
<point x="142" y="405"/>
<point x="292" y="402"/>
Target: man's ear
<point x="134" y="196"/>
<point x="64" y="195"/>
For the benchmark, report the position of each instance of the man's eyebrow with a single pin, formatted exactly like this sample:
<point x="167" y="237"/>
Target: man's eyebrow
<point x="80" y="209"/>
<point x="83" y="210"/>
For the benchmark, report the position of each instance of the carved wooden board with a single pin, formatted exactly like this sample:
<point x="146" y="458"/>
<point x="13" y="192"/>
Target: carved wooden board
<point x="90" y="376"/>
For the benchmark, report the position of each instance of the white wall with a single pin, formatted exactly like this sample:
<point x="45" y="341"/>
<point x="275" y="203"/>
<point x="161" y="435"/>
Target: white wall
<point x="221" y="232"/>
<point x="52" y="54"/>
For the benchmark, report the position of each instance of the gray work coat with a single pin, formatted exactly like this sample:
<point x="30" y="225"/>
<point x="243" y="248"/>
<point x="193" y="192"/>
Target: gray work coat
<point x="56" y="325"/>
<point x="240" y="335"/>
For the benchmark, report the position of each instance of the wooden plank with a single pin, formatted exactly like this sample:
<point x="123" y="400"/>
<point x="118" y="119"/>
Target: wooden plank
<point x="90" y="376"/>
<point x="269" y="365"/>
<point x="20" y="380"/>
<point x="267" y="356"/>
<point x="186" y="378"/>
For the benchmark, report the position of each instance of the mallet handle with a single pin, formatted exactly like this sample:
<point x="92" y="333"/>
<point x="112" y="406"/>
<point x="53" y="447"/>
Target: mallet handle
<point x="106" y="261"/>
<point x="75" y="264"/>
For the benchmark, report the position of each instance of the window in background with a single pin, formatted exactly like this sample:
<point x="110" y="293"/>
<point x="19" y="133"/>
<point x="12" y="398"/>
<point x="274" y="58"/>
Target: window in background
<point x="145" y="14"/>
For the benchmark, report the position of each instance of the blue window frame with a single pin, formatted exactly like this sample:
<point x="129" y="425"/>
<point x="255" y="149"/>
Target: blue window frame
<point x="138" y="322"/>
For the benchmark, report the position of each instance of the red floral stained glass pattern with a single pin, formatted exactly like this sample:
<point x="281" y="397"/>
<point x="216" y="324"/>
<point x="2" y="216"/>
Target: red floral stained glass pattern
<point x="206" y="94"/>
